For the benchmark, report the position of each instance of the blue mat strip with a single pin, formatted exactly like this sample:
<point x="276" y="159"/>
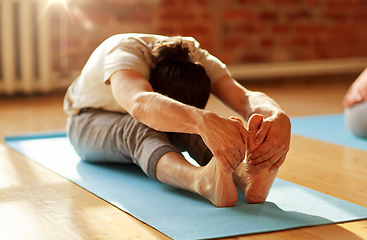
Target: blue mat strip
<point x="180" y="214"/>
<point x="328" y="128"/>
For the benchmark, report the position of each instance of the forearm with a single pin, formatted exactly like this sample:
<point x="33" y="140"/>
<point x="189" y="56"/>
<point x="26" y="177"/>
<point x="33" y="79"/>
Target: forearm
<point x="135" y="94"/>
<point x="165" y="114"/>
<point x="242" y="100"/>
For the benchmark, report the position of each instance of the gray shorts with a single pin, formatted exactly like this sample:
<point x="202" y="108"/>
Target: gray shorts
<point x="101" y="136"/>
<point x="356" y="119"/>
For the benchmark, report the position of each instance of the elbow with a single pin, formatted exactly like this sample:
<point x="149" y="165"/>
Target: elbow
<point x="138" y="107"/>
<point x="135" y="111"/>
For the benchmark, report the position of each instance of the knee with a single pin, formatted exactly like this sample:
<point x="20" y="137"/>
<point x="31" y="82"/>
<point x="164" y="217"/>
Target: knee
<point x="356" y="119"/>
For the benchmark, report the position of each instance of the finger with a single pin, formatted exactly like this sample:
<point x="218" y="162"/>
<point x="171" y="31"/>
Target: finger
<point x="269" y="162"/>
<point x="277" y="165"/>
<point x="259" y="154"/>
<point x="239" y="155"/>
<point x="232" y="160"/>
<point x="243" y="132"/>
<point x="264" y="157"/>
<point x="224" y="163"/>
<point x="263" y="131"/>
<point x="242" y="152"/>
<point x="241" y="129"/>
<point x="267" y="156"/>
<point x="236" y="119"/>
<point x="255" y="122"/>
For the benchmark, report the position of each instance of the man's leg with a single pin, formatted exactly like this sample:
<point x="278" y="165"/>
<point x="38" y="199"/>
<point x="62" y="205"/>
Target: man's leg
<point x="101" y="136"/>
<point x="254" y="183"/>
<point x="210" y="181"/>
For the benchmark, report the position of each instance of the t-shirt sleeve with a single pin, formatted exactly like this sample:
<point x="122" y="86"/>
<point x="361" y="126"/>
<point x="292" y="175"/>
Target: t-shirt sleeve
<point x="119" y="59"/>
<point x="214" y="68"/>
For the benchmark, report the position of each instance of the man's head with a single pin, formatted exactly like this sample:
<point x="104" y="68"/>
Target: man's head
<point x="175" y="76"/>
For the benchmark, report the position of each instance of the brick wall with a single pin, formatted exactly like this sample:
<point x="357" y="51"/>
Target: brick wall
<point x="236" y="31"/>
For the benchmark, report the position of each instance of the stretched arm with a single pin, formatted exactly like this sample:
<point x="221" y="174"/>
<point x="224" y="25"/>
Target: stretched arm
<point x="224" y="137"/>
<point x="274" y="134"/>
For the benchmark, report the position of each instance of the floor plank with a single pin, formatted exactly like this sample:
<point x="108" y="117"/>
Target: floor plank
<point x="36" y="203"/>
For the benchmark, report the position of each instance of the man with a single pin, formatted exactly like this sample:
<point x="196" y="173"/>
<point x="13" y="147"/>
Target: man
<point x="140" y="98"/>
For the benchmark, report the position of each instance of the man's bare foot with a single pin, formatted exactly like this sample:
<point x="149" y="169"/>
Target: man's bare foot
<point x="210" y="181"/>
<point x="254" y="183"/>
<point x="217" y="185"/>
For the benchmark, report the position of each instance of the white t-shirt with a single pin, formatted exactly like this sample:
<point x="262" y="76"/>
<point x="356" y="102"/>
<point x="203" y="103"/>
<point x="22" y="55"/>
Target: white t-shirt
<point x="125" y="51"/>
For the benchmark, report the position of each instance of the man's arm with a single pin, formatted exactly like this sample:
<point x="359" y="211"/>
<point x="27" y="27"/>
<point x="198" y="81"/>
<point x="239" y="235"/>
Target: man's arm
<point x="274" y="133"/>
<point x="224" y="137"/>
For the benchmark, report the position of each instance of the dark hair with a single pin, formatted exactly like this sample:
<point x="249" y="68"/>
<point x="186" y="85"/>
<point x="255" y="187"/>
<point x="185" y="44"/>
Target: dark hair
<point x="176" y="76"/>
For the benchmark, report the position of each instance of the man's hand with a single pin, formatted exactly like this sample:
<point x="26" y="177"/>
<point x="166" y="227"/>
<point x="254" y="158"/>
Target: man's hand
<point x="274" y="136"/>
<point x="227" y="139"/>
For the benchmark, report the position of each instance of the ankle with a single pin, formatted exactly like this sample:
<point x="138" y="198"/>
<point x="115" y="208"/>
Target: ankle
<point x="240" y="176"/>
<point x="201" y="182"/>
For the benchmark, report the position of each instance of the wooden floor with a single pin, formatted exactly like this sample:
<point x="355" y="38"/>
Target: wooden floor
<point x="36" y="203"/>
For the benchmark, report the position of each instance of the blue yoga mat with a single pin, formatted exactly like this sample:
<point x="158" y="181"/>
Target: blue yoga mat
<point x="328" y="128"/>
<point x="180" y="214"/>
